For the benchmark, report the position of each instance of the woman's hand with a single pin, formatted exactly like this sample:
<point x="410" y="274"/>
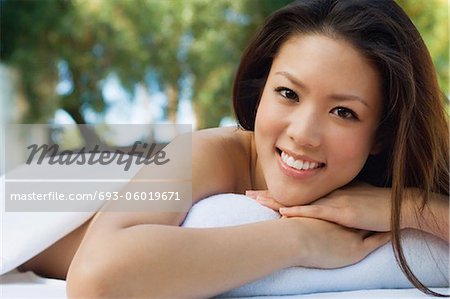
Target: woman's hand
<point x="324" y="244"/>
<point x="362" y="207"/>
<point x="264" y="198"/>
<point x="359" y="206"/>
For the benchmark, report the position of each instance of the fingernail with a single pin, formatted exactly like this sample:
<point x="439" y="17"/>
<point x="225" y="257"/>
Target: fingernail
<point x="282" y="210"/>
<point x="259" y="197"/>
<point x="251" y="194"/>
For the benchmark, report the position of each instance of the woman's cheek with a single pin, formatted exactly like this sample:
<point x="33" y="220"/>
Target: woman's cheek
<point x="351" y="153"/>
<point x="268" y="117"/>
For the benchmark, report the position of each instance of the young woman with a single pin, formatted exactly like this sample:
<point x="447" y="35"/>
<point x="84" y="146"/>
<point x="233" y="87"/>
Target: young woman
<point x="329" y="95"/>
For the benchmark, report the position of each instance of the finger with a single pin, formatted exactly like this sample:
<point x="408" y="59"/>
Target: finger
<point x="376" y="240"/>
<point x="311" y="211"/>
<point x="251" y="193"/>
<point x="269" y="202"/>
<point x="254" y="193"/>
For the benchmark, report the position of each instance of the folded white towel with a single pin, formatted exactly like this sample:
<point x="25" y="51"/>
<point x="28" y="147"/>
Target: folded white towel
<point x="427" y="255"/>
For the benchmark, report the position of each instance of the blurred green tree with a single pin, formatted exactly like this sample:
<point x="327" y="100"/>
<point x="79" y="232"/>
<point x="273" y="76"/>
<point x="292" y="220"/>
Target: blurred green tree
<point x="78" y="42"/>
<point x="196" y="43"/>
<point x="221" y="30"/>
<point x="432" y="20"/>
<point x="86" y="41"/>
<point x="24" y="27"/>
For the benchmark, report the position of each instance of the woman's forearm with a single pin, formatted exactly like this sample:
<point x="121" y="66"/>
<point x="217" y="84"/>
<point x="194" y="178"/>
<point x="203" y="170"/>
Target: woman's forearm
<point x="159" y="261"/>
<point x="433" y="218"/>
<point x="172" y="262"/>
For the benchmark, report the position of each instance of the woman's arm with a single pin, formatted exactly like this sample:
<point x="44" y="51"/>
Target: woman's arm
<point x="433" y="218"/>
<point x="157" y="261"/>
<point x="367" y="207"/>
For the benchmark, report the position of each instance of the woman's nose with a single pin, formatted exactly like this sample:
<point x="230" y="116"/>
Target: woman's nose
<point x="305" y="128"/>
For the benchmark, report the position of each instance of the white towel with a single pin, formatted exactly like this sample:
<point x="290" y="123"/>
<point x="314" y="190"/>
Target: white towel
<point x="427" y="255"/>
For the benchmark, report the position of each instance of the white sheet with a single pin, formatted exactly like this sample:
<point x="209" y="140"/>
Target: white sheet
<point x="28" y="285"/>
<point x="25" y="234"/>
<point x="15" y="284"/>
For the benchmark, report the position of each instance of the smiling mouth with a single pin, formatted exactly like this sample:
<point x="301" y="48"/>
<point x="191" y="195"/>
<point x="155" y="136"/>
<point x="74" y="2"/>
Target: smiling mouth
<point x="299" y="164"/>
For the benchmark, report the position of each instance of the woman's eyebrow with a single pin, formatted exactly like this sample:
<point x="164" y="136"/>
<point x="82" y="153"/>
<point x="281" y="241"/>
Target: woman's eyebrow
<point x="348" y="97"/>
<point x="339" y="97"/>
<point x="292" y="79"/>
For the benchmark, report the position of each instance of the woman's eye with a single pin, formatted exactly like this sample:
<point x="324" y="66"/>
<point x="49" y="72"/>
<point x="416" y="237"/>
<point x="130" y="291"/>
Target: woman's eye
<point x="345" y="113"/>
<point x="287" y="93"/>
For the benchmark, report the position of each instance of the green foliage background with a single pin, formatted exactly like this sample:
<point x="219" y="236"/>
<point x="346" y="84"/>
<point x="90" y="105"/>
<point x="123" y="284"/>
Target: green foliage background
<point x="175" y="39"/>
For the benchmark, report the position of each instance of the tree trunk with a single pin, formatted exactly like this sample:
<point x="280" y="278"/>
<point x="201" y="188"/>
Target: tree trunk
<point x="72" y="105"/>
<point x="172" y="106"/>
<point x="199" y="118"/>
<point x="90" y="137"/>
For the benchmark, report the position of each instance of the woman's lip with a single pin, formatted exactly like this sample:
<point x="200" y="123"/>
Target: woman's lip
<point x="296" y="173"/>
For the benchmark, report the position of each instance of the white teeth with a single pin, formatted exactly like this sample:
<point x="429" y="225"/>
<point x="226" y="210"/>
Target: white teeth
<point x="298" y="164"/>
<point x="290" y="161"/>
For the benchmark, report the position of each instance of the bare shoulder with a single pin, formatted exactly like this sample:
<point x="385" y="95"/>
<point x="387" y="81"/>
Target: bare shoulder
<point x="229" y="137"/>
<point x="221" y="160"/>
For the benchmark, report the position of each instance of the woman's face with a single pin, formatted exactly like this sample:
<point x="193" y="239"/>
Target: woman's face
<point x="317" y="118"/>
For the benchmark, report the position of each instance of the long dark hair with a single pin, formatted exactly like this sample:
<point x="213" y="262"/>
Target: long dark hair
<point x="414" y="125"/>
